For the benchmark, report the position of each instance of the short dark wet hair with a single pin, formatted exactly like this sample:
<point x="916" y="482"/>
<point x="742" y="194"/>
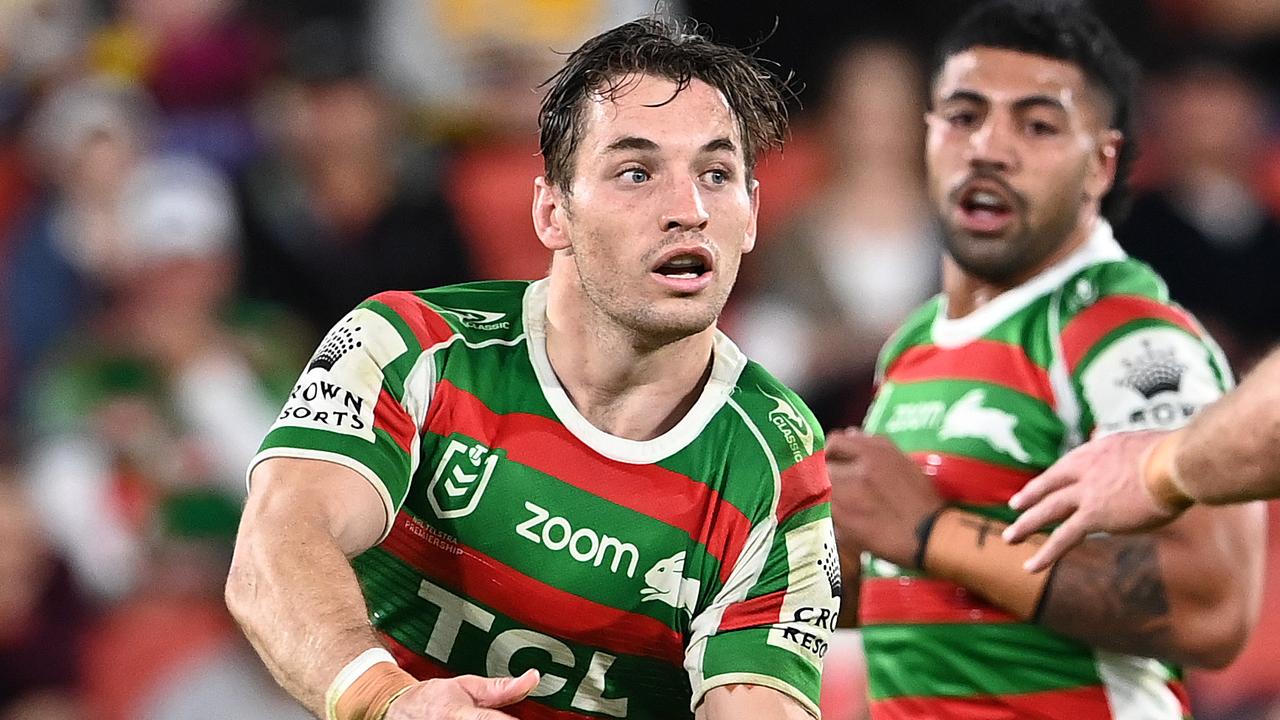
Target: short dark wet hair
<point x="1063" y="30"/>
<point x="680" y="51"/>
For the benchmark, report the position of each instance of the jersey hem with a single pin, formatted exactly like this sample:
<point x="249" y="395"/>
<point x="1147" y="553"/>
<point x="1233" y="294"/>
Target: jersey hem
<point x="749" y="678"/>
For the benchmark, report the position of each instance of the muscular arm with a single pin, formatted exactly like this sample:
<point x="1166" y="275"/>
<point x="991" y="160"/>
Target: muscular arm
<point x="1219" y="463"/>
<point x="291" y="586"/>
<point x="1189" y="593"/>
<point x="749" y="702"/>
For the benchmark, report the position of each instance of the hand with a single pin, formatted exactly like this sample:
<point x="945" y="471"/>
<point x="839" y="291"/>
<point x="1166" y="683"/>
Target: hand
<point x="878" y="495"/>
<point x="1096" y="487"/>
<point x="468" y="697"/>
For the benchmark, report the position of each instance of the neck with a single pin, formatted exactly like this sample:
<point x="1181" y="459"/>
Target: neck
<point x="623" y="384"/>
<point x="966" y="292"/>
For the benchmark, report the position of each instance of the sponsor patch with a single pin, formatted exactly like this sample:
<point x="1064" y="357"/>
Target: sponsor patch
<point x="791" y="424"/>
<point x="812" y="599"/>
<point x="1154" y="378"/>
<point x="340" y="386"/>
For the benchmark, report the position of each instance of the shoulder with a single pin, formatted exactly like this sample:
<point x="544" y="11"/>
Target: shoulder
<point x="789" y="437"/>
<point x="1107" y="301"/>
<point x="914" y="331"/>
<point x="480" y="311"/>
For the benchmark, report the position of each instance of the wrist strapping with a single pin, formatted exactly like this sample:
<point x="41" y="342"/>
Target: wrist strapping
<point x="1160" y="474"/>
<point x="967" y="549"/>
<point x="365" y="688"/>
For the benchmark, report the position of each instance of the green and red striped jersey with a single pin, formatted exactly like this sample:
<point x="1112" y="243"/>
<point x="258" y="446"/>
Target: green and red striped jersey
<point x="985" y="402"/>
<point x="634" y="575"/>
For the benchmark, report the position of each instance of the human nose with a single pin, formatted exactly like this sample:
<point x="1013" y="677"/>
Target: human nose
<point x="685" y="208"/>
<point x="992" y="146"/>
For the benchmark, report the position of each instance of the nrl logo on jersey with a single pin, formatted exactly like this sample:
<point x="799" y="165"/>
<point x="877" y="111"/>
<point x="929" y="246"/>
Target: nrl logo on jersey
<point x="461" y="478"/>
<point x="795" y="430"/>
<point x="478" y="319"/>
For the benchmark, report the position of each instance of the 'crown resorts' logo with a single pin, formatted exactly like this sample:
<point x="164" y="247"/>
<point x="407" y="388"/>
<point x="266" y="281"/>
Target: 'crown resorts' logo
<point x="1153" y="372"/>
<point x="830" y="564"/>
<point x="794" y="429"/>
<point x="340" y="340"/>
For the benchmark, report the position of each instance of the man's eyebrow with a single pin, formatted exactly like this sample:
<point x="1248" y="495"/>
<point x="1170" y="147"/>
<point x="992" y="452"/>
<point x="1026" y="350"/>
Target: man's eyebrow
<point x="631" y="142"/>
<point x="722" y="144"/>
<point x="1033" y="101"/>
<point x="966" y="96"/>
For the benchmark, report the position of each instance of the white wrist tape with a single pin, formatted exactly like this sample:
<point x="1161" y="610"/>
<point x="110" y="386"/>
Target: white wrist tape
<point x="349" y="674"/>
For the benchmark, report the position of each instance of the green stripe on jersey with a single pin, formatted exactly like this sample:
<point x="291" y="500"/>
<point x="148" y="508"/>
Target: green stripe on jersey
<point x="964" y="660"/>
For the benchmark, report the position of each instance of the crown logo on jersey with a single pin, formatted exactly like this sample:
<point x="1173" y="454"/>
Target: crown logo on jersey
<point x="339" y="341"/>
<point x="830" y="565"/>
<point x="1153" y="372"/>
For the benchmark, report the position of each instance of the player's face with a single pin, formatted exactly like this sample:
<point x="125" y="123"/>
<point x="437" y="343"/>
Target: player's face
<point x="1019" y="156"/>
<point x="660" y="209"/>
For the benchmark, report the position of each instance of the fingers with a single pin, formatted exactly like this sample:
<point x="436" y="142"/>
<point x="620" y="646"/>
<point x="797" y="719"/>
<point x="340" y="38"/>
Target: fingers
<point x="1052" y="508"/>
<point x="499" y="692"/>
<point x="1034" y="491"/>
<point x="1066" y="536"/>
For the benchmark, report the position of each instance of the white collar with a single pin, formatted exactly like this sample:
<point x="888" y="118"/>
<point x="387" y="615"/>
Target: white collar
<point x="953" y="332"/>
<point x="727" y="365"/>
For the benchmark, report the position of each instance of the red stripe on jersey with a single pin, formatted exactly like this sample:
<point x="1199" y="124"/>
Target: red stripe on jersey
<point x="425" y="668"/>
<point x="967" y="480"/>
<point x="1085" y="703"/>
<point x="548" y="447"/>
<point x="898" y="600"/>
<point x="754" y="612"/>
<point x="988" y="361"/>
<point x="394" y="419"/>
<point x="1093" y="323"/>
<point x="426" y="323"/>
<point x="530" y="601"/>
<point x="804" y="485"/>
<point x="1184" y="700"/>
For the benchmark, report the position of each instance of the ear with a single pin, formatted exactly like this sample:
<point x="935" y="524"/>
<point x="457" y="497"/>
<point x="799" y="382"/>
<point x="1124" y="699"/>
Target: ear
<point x="550" y="208"/>
<point x="1102" y="167"/>
<point x="749" y="240"/>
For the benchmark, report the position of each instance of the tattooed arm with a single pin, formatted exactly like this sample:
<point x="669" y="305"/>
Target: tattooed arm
<point x="1188" y="593"/>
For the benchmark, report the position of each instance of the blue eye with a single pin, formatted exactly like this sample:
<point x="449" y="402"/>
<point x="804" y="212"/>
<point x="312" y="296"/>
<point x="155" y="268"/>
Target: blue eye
<point x="717" y="177"/>
<point x="635" y="175"/>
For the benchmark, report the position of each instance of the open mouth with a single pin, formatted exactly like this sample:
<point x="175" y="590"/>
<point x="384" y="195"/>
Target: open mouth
<point x="684" y="266"/>
<point x="985" y="207"/>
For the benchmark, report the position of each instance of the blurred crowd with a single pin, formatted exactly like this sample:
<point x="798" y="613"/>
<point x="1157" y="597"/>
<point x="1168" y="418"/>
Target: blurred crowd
<point x="192" y="191"/>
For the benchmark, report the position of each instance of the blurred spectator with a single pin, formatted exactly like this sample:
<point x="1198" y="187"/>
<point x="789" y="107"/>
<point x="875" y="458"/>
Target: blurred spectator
<point x="1204" y="227"/>
<point x="345" y="209"/>
<point x="84" y="138"/>
<point x="170" y="385"/>
<point x="171" y="651"/>
<point x="472" y="63"/>
<point x="202" y="60"/>
<point x="42" y="616"/>
<point x="823" y="296"/>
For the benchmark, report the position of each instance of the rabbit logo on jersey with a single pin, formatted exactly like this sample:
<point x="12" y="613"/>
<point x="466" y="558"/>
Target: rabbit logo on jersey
<point x="341" y="384"/>
<point x="795" y="430"/>
<point x="812" y="600"/>
<point x="666" y="583"/>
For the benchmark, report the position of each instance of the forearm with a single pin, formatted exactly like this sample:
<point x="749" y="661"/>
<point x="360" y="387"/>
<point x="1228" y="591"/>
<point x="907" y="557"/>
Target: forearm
<point x="293" y="592"/>
<point x="1228" y="453"/>
<point x="1176" y="596"/>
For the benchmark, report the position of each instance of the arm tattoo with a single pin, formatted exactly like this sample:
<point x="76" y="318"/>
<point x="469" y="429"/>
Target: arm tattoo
<point x="1110" y="593"/>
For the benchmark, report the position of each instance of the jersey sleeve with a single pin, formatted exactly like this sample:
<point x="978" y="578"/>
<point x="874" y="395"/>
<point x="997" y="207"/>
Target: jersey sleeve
<point x="363" y="396"/>
<point x="771" y="622"/>
<point x="1138" y="363"/>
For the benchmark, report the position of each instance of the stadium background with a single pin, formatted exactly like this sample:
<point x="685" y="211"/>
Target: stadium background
<point x="191" y="191"/>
